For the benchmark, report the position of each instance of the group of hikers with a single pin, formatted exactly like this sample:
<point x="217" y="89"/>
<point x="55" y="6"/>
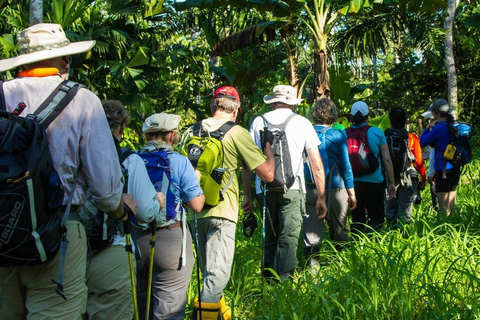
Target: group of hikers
<point x="74" y="201"/>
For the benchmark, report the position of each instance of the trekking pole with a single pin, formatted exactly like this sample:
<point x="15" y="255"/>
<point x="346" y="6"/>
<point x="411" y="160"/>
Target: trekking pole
<point x="153" y="230"/>
<point x="198" y="266"/>
<point x="264" y="203"/>
<point x="128" y="248"/>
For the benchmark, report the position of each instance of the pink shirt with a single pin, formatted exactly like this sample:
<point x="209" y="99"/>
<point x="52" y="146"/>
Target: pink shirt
<point x="80" y="140"/>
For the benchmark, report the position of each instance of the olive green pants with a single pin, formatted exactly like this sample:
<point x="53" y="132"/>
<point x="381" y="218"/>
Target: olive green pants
<point x="284" y="211"/>
<point x="30" y="293"/>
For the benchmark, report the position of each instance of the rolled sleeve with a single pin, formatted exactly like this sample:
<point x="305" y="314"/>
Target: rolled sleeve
<point x="141" y="188"/>
<point x="99" y="157"/>
<point x="187" y="180"/>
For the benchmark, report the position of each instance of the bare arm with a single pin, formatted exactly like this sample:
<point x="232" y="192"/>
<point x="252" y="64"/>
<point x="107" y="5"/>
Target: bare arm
<point x="387" y="163"/>
<point x="266" y="170"/>
<point x="196" y="204"/>
<point x="319" y="178"/>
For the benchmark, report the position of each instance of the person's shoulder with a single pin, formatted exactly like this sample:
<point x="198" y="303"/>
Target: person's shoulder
<point x="375" y="130"/>
<point x="336" y="133"/>
<point x="176" y="157"/>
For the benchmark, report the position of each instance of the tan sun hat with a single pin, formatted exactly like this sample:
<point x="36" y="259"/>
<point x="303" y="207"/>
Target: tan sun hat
<point x="285" y="94"/>
<point x="161" y="122"/>
<point x="41" y="42"/>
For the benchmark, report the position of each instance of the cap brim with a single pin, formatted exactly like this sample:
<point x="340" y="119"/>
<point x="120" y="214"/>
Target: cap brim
<point x="20" y="60"/>
<point x="427" y="114"/>
<point x="268" y="99"/>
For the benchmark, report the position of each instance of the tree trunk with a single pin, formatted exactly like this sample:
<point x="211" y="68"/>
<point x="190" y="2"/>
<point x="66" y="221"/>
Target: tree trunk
<point x="36" y="11"/>
<point x="449" y="57"/>
<point x="323" y="90"/>
<point x="292" y="58"/>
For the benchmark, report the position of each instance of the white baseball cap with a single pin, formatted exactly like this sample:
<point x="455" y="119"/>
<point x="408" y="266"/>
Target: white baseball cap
<point x="360" y="106"/>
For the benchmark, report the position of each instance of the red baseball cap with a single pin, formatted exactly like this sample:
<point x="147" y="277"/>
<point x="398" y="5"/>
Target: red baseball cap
<point x="226" y="92"/>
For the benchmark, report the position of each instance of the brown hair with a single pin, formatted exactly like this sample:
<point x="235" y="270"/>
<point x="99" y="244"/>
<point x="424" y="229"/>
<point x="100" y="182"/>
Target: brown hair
<point x="116" y="113"/>
<point x="324" y="112"/>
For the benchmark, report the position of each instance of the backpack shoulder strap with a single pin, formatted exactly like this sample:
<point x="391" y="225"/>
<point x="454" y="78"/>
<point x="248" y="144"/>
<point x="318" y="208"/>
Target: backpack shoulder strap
<point x="126" y="152"/>
<point x="56" y="102"/>
<point x="197" y="129"/>
<point x="225" y="127"/>
<point x="3" y="105"/>
<point x="284" y="124"/>
<point x="365" y="128"/>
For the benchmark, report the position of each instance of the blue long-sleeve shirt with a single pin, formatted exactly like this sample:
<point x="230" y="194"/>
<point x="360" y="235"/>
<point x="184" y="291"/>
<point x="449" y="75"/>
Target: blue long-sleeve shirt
<point x="439" y="138"/>
<point x="337" y="153"/>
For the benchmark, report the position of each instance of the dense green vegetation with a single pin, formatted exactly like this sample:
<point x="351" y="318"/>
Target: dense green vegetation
<point x="425" y="270"/>
<point x="158" y="56"/>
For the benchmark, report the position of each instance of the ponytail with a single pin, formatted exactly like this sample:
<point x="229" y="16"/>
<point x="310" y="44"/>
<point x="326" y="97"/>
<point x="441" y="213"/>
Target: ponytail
<point x="359" y="118"/>
<point x="450" y="118"/>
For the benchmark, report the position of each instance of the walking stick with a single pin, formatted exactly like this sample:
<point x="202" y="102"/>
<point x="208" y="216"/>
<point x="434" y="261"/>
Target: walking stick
<point x="263" y="233"/>
<point x="128" y="248"/>
<point x="153" y="230"/>
<point x="198" y="266"/>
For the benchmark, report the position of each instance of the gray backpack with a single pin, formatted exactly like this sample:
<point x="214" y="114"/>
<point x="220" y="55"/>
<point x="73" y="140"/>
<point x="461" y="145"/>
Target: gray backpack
<point x="284" y="177"/>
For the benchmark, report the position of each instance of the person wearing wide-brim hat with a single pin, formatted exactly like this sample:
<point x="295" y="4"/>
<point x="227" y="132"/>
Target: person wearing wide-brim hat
<point x="285" y="205"/>
<point x="437" y="135"/>
<point x="81" y="147"/>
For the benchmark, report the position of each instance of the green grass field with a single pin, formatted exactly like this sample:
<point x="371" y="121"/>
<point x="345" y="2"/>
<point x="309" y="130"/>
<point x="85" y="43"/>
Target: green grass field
<point x="426" y="270"/>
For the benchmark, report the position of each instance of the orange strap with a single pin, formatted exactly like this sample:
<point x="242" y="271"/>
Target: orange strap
<point x="39" y="72"/>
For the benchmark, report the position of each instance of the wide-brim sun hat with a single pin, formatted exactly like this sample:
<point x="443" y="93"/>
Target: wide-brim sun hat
<point x="44" y="41"/>
<point x="283" y="93"/>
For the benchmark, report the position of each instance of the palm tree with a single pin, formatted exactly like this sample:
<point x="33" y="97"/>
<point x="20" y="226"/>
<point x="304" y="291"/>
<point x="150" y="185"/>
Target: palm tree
<point x="316" y="19"/>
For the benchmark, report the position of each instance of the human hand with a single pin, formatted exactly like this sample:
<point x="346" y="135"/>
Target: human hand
<point x="430" y="180"/>
<point x="266" y="136"/>
<point x="391" y="191"/>
<point x="321" y="207"/>
<point x="199" y="175"/>
<point x="352" y="202"/>
<point x="131" y="203"/>
<point x="247" y="205"/>
<point x="432" y="124"/>
<point x="161" y="199"/>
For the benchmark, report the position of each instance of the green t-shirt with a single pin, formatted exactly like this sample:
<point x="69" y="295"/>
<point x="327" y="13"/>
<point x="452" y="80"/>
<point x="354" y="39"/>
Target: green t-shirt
<point x="238" y="147"/>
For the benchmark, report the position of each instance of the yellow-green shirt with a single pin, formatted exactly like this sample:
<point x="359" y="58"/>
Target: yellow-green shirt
<point x="238" y="147"/>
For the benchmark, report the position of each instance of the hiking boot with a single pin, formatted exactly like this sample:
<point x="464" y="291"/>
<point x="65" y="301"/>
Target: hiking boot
<point x="210" y="310"/>
<point x="226" y="311"/>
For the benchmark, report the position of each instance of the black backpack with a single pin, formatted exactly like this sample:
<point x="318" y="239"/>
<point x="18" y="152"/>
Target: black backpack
<point x="100" y="228"/>
<point x="31" y="226"/>
<point x="397" y="141"/>
<point x="284" y="178"/>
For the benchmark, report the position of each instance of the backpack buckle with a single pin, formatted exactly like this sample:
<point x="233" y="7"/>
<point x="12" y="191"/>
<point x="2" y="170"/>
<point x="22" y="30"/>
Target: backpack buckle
<point x="32" y="116"/>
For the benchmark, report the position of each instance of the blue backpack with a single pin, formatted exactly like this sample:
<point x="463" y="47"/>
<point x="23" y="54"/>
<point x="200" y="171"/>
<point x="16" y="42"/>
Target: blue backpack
<point x="158" y="168"/>
<point x="459" y="151"/>
<point x="323" y="153"/>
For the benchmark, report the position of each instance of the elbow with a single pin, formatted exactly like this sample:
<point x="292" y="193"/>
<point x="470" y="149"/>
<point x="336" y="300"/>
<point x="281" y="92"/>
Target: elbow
<point x="197" y="203"/>
<point x="268" y="177"/>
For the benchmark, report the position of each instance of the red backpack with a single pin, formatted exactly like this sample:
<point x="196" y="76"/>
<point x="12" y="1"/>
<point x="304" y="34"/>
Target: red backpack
<point x="362" y="159"/>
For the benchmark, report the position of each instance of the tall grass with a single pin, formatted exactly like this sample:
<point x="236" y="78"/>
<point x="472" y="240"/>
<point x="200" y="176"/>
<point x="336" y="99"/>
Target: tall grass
<point x="429" y="269"/>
